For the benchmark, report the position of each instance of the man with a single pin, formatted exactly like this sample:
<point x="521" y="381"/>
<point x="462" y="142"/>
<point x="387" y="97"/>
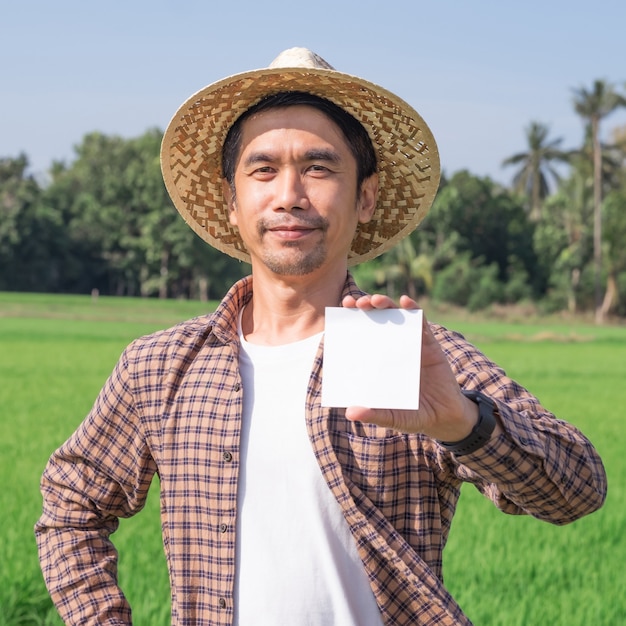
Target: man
<point x="276" y="510"/>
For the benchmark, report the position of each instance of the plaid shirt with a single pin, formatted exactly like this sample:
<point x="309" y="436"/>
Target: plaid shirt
<point x="173" y="406"/>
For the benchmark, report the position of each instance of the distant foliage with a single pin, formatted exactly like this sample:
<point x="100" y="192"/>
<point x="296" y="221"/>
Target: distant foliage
<point x="105" y="223"/>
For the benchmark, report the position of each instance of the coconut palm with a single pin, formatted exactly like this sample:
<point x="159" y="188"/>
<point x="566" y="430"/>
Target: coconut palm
<point x="406" y="268"/>
<point x="536" y="169"/>
<point x="593" y="105"/>
<point x="612" y="162"/>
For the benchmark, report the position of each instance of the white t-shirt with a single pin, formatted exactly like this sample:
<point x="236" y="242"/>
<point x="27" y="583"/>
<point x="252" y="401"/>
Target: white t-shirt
<point x="297" y="563"/>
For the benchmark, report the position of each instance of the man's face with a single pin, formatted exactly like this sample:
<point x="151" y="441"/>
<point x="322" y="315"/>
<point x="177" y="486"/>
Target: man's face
<point x="296" y="202"/>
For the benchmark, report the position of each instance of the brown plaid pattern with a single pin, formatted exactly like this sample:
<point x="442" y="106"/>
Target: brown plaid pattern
<point x="173" y="406"/>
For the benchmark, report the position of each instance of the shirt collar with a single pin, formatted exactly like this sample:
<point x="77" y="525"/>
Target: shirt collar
<point x="226" y="315"/>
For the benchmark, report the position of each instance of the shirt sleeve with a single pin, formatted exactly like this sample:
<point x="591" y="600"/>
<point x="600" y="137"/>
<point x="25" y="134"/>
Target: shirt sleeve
<point x="538" y="465"/>
<point x="103" y="472"/>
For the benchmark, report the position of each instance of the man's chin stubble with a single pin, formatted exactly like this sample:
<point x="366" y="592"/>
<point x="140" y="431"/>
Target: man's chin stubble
<point x="305" y="264"/>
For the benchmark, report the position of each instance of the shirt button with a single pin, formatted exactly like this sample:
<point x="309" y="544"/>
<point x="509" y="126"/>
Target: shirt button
<point x="223" y="528"/>
<point x="237" y="387"/>
<point x="222" y="603"/>
<point x="227" y="456"/>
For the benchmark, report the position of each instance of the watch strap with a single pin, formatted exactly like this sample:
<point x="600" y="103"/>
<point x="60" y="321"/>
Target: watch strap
<point x="485" y="426"/>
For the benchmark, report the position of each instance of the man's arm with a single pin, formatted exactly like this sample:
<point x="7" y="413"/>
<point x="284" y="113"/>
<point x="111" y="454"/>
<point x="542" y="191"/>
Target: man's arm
<point x="533" y="463"/>
<point x="100" y="474"/>
<point x="537" y="464"/>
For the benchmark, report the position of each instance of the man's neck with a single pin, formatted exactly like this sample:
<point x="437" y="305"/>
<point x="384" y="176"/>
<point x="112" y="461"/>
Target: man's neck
<point x="291" y="308"/>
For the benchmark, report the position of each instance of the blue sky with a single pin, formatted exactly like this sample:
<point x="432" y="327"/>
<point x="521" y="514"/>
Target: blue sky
<point x="479" y="72"/>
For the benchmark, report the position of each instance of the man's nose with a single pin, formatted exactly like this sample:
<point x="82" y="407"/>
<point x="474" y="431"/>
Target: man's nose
<point x="290" y="192"/>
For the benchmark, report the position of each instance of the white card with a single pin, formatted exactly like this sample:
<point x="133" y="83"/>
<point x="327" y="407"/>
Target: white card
<point x="372" y="358"/>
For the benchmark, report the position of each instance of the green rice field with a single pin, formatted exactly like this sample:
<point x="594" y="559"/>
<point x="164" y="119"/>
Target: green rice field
<point x="56" y="351"/>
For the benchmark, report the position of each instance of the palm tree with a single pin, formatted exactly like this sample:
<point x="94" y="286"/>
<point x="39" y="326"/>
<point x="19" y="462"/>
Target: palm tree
<point x="532" y="178"/>
<point x="407" y="269"/>
<point x="594" y="105"/>
<point x="613" y="160"/>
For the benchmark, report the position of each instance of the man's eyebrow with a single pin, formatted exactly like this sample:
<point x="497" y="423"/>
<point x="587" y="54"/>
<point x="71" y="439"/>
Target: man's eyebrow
<point x="258" y="157"/>
<point x="323" y="154"/>
<point x="316" y="154"/>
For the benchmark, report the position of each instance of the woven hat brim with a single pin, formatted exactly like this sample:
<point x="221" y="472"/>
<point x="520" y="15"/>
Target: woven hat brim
<point x="408" y="158"/>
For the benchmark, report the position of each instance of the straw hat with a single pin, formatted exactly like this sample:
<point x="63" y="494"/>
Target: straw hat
<point x="408" y="159"/>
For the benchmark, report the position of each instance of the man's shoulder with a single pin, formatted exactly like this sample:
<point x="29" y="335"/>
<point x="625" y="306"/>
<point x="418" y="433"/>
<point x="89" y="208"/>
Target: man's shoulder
<point x="443" y="333"/>
<point x="182" y="337"/>
<point x="187" y="338"/>
<point x="452" y="342"/>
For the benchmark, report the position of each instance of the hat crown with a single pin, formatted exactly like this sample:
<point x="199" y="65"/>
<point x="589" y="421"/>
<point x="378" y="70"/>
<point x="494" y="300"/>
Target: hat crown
<point x="300" y="57"/>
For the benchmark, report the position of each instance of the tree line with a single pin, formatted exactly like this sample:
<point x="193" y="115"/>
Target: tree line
<point x="105" y="222"/>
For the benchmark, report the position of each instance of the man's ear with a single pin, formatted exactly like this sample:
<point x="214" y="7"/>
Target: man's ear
<point x="368" y="197"/>
<point x="229" y="196"/>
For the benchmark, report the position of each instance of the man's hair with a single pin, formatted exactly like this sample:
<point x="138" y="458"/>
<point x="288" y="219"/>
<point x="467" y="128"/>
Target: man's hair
<point x="353" y="131"/>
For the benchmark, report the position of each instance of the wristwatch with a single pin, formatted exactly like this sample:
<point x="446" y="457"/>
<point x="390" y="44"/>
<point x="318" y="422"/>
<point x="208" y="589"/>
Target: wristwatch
<point x="482" y="431"/>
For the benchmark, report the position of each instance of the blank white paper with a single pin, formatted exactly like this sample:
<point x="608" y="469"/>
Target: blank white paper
<point x="372" y="358"/>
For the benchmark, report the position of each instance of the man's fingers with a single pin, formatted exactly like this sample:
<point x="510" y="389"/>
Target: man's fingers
<point x="375" y="301"/>
<point x="363" y="414"/>
<point x="408" y="303"/>
<point x="400" y="420"/>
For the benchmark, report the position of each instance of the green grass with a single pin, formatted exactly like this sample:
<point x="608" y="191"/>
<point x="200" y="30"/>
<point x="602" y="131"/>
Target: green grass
<point x="56" y="351"/>
<point x="512" y="571"/>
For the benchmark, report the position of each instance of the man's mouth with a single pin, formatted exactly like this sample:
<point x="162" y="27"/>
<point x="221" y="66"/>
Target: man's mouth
<point x="293" y="230"/>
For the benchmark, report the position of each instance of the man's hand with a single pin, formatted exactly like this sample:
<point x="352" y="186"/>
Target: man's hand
<point x="444" y="413"/>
